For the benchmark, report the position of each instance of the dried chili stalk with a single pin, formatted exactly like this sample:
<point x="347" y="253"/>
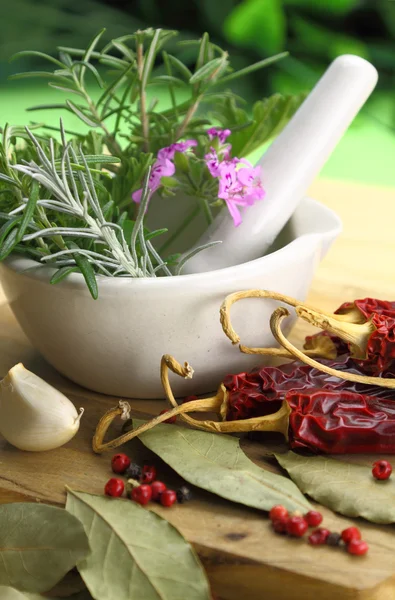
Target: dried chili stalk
<point x="217" y="404"/>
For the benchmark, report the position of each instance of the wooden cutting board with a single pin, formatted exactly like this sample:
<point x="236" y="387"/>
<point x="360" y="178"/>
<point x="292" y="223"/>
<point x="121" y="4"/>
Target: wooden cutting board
<point x="243" y="557"/>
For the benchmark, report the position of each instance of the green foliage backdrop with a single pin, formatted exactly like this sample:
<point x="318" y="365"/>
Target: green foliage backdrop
<point x="314" y="31"/>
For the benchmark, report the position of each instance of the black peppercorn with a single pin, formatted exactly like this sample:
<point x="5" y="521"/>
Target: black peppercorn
<point x="334" y="539"/>
<point x="183" y="494"/>
<point x="133" y="472"/>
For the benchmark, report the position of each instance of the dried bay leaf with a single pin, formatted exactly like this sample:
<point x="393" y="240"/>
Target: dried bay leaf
<point x="135" y="553"/>
<point x="10" y="593"/>
<point x="216" y="463"/>
<point x="39" y="544"/>
<point x="346" y="488"/>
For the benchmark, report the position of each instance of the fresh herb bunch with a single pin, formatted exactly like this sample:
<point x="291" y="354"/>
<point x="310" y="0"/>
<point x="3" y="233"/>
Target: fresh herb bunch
<point x="77" y="201"/>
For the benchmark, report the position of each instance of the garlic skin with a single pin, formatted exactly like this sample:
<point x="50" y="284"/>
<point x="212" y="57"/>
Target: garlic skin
<point x="34" y="416"/>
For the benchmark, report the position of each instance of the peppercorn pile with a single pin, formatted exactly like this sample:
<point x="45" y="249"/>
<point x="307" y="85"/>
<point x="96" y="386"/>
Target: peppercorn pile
<point x="296" y="526"/>
<point x="142" y="485"/>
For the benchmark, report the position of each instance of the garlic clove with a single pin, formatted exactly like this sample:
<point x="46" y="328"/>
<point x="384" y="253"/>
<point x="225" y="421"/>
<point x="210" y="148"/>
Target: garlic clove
<point x="34" y="415"/>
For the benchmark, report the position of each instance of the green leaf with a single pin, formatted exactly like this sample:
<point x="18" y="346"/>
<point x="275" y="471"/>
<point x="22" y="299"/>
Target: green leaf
<point x="86" y="269"/>
<point x="10" y="593"/>
<point x="93" y="159"/>
<point x="39" y="544"/>
<point x="255" y="67"/>
<point x="216" y="463"/>
<point x="149" y="58"/>
<point x="269" y="117"/>
<point x="112" y="88"/>
<point x="40" y="55"/>
<point x="167" y="79"/>
<point x="91" y="68"/>
<point x="181" y="68"/>
<point x="10" y="180"/>
<point x="204" y="45"/>
<point x="29" y="210"/>
<point x="346" y="488"/>
<point x="257" y="24"/>
<point x="62" y="273"/>
<point x="45" y="74"/>
<point x="8" y="236"/>
<point x="65" y="88"/>
<point x="153" y="234"/>
<point x="207" y="70"/>
<point x="89" y="52"/>
<point x="80" y="114"/>
<point x="46" y="107"/>
<point x="135" y="553"/>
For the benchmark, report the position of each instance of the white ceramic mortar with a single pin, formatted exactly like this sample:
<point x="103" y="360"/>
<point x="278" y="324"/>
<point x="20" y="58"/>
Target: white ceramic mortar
<point x="114" y="345"/>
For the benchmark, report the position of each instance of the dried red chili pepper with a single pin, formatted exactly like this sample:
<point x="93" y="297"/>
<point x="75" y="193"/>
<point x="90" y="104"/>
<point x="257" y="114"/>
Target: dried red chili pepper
<point x="312" y="409"/>
<point x="262" y="391"/>
<point x="367" y="327"/>
<point x="326" y="414"/>
<point x="340" y="423"/>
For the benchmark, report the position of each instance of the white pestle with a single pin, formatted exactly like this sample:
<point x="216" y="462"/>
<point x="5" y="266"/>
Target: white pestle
<point x="290" y="165"/>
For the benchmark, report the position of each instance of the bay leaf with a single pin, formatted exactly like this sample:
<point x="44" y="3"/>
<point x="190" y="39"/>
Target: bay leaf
<point x="346" y="488"/>
<point x="135" y="553"/>
<point x="83" y="595"/>
<point x="39" y="544"/>
<point x="10" y="593"/>
<point x="216" y="463"/>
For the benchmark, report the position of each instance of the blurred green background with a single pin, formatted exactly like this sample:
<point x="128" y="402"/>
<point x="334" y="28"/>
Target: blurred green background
<point x="314" y="32"/>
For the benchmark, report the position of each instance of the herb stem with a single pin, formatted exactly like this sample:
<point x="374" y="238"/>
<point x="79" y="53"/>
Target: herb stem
<point x="143" y="98"/>
<point x="113" y="145"/>
<point x="207" y="210"/>
<point x="191" y="111"/>
<point x="171" y="88"/>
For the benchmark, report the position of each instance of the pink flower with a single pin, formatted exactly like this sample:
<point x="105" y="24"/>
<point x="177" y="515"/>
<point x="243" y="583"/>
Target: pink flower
<point x="250" y="179"/>
<point x="221" y="134"/>
<point x="239" y="186"/>
<point x="162" y="168"/>
<point x="231" y="190"/>
<point x="212" y="162"/>
<point x="169" y="151"/>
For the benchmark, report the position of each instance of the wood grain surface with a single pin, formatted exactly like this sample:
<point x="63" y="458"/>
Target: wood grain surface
<point x="243" y="558"/>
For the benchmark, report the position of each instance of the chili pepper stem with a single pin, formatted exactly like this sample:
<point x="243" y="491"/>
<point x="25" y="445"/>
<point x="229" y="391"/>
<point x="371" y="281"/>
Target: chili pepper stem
<point x="324" y="348"/>
<point x="277" y="422"/>
<point x="232" y="298"/>
<point x="275" y="325"/>
<point x="356" y="334"/>
<point x="99" y="446"/>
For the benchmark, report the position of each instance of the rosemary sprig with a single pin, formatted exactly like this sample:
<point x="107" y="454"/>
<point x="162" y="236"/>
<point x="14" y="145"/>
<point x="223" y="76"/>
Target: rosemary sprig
<point x="68" y="202"/>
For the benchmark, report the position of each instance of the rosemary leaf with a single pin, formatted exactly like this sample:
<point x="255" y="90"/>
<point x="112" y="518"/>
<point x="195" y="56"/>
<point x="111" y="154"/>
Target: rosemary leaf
<point x="29" y="210"/>
<point x="23" y="53"/>
<point x="8" y="226"/>
<point x="8" y="244"/>
<point x="81" y="114"/>
<point x="62" y="273"/>
<point x="87" y="271"/>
